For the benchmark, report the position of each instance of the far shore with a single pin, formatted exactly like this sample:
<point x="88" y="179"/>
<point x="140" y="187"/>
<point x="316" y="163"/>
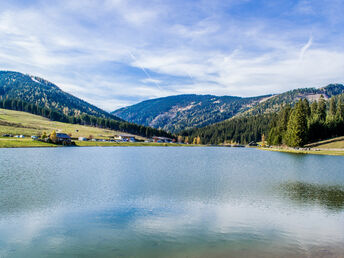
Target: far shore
<point x="317" y="151"/>
<point x="29" y="143"/>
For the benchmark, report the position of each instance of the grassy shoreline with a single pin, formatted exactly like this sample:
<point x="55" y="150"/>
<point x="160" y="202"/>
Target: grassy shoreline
<point x="311" y="151"/>
<point x="29" y="143"/>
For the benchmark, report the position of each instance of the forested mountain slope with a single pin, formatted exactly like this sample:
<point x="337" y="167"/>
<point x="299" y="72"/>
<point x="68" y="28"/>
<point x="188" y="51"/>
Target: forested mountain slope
<point x="35" y="90"/>
<point x="182" y="112"/>
<point x="175" y="113"/>
<point x="274" y="103"/>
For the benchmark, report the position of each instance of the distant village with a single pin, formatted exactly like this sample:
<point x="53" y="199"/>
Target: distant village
<point x="67" y="139"/>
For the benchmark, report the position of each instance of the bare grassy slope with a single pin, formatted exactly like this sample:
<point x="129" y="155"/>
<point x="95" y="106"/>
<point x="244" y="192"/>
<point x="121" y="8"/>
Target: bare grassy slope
<point x="17" y="122"/>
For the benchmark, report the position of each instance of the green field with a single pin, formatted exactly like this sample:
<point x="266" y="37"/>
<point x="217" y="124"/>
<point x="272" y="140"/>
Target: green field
<point x="6" y="142"/>
<point x="16" y="122"/>
<point x="334" y="143"/>
<point x="22" y="143"/>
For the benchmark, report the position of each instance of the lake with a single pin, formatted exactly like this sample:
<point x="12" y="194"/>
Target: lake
<point x="170" y="202"/>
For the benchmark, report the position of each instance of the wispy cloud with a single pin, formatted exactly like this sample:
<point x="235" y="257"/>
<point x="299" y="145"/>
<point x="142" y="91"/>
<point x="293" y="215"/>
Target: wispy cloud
<point x="115" y="53"/>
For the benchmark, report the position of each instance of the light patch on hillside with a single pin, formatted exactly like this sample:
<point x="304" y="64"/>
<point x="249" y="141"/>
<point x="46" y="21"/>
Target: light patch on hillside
<point x="180" y="109"/>
<point x="265" y="99"/>
<point x="313" y="97"/>
<point x="35" y="80"/>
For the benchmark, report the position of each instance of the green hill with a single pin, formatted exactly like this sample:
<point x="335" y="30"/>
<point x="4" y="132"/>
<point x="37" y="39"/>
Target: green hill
<point x="35" y="90"/>
<point x="22" y="123"/>
<point x="176" y="113"/>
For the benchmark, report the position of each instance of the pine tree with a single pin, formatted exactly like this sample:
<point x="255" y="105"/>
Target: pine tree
<point x="321" y="111"/>
<point x="297" y="127"/>
<point x="306" y="108"/>
<point x="333" y="107"/>
<point x="314" y="109"/>
<point x="340" y="110"/>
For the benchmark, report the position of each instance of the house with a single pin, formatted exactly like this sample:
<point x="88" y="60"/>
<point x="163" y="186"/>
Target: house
<point x="253" y="144"/>
<point x="125" y="138"/>
<point x="161" y="139"/>
<point x="82" y="139"/>
<point x="62" y="137"/>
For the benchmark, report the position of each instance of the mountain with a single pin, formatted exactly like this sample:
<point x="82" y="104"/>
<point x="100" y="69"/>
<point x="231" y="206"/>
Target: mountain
<point x="273" y="104"/>
<point x="321" y="120"/>
<point x="35" y="90"/>
<point x="182" y="112"/>
<point x="176" y="113"/>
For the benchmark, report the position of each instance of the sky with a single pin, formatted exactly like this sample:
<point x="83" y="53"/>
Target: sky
<point x="115" y="53"/>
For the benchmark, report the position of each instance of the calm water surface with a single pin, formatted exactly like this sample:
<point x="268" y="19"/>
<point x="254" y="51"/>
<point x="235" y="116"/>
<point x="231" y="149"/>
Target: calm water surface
<point x="170" y="202"/>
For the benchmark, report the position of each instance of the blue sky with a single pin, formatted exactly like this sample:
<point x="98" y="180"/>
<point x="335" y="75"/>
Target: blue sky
<point x="114" y="53"/>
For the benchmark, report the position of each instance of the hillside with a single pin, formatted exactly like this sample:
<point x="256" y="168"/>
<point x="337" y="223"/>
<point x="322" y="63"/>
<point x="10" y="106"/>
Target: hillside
<point x="35" y="90"/>
<point x="334" y="143"/>
<point x="176" y="113"/>
<point x="274" y="103"/>
<point x="17" y="122"/>
<point x="182" y="112"/>
<point x="294" y="126"/>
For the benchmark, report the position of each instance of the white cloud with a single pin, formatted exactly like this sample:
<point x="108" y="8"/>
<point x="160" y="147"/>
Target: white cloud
<point x="104" y="50"/>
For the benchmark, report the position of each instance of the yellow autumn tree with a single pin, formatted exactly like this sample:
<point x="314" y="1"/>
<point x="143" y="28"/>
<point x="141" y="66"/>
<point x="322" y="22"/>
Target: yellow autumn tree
<point x="194" y="140"/>
<point x="263" y="140"/>
<point x="186" y="140"/>
<point x="198" y="141"/>
<point x="53" y="136"/>
<point x="180" y="138"/>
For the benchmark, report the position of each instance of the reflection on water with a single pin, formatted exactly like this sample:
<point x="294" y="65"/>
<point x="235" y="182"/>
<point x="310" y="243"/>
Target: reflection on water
<point x="331" y="197"/>
<point x="169" y="202"/>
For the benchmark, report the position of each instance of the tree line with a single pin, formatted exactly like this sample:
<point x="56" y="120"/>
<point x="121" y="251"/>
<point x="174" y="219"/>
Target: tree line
<point x="293" y="126"/>
<point x="305" y="123"/>
<point x="244" y="130"/>
<point x="83" y="119"/>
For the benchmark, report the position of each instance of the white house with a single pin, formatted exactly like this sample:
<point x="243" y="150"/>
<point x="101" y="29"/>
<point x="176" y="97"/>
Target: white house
<point x="125" y="137"/>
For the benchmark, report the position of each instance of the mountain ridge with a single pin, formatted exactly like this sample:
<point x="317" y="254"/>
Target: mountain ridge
<point x="181" y="112"/>
<point x="36" y="90"/>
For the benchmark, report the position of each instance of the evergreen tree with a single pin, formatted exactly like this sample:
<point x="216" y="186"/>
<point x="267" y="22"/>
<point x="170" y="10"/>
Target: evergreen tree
<point x="321" y="111"/>
<point x="297" y="127"/>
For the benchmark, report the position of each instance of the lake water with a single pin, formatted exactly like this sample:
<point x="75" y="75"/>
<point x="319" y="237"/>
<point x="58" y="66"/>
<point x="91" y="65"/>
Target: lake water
<point x="170" y="202"/>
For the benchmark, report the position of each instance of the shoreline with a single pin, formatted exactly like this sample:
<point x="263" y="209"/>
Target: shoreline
<point x="28" y="143"/>
<point x="318" y="151"/>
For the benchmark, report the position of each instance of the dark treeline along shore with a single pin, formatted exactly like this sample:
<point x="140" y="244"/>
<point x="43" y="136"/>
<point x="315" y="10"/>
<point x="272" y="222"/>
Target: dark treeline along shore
<point x="293" y="126"/>
<point x="306" y="123"/>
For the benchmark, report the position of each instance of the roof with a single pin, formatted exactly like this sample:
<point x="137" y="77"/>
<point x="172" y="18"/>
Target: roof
<point x="62" y="135"/>
<point x="161" y="138"/>
<point x="125" y="135"/>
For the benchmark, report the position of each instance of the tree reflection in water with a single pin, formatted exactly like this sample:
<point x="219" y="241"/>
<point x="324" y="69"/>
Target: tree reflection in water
<point x="329" y="196"/>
